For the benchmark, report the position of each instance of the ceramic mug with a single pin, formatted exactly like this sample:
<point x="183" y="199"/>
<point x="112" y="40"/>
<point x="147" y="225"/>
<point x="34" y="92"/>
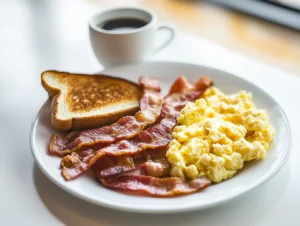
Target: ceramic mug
<point x="113" y="47"/>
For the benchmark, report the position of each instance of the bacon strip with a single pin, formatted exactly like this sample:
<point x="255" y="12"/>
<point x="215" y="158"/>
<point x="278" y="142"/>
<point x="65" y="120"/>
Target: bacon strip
<point x="155" y="137"/>
<point x="118" y="165"/>
<point x="108" y="167"/>
<point x="156" y="165"/>
<point x="166" y="187"/>
<point x="125" y="128"/>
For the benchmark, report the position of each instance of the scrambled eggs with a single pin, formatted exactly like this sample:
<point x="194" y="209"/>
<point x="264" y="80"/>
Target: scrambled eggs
<point x="216" y="134"/>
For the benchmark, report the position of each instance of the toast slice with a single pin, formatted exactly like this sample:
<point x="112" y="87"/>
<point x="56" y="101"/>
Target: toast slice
<point x="82" y="101"/>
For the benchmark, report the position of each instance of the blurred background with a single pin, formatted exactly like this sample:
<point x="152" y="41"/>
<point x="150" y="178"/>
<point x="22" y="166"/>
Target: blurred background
<point x="42" y="34"/>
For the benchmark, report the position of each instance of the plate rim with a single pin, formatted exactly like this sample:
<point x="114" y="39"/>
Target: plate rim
<point x="173" y="209"/>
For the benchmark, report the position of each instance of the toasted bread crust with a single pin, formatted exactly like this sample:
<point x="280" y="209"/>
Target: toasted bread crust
<point x="123" y="91"/>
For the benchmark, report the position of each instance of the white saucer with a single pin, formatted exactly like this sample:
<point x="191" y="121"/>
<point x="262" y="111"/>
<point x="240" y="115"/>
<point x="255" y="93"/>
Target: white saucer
<point x="254" y="174"/>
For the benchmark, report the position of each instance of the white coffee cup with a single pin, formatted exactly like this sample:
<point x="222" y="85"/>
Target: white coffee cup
<point x="113" y="47"/>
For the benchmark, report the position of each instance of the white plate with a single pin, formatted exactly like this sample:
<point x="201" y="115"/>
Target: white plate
<point x="254" y="174"/>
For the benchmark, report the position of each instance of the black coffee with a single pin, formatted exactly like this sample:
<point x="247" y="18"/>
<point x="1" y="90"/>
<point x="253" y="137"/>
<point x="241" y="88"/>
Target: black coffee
<point x="122" y="24"/>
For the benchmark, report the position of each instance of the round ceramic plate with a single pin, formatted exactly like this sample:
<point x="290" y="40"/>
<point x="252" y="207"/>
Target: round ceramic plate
<point x="252" y="175"/>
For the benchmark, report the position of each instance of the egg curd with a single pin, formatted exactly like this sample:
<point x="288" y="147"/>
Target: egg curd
<point x="217" y="134"/>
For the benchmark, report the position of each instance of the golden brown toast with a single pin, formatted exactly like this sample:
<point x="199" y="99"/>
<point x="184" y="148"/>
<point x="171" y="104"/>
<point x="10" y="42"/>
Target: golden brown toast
<point x="82" y="101"/>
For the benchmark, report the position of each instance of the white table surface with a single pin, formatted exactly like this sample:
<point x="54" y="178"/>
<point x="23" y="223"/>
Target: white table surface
<point x="53" y="35"/>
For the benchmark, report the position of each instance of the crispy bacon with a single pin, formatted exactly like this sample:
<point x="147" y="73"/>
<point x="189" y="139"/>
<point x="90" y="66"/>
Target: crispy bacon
<point x="125" y="128"/>
<point x="166" y="187"/>
<point x="156" y="137"/>
<point x="118" y="165"/>
<point x="148" y="185"/>
<point x="108" y="167"/>
<point x="156" y="165"/>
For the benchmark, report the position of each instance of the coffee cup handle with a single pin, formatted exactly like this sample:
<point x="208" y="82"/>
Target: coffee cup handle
<point x="164" y="43"/>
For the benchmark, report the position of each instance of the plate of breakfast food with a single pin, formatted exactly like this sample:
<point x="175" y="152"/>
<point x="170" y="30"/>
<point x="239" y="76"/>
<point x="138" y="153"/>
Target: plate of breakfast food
<point x="158" y="137"/>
